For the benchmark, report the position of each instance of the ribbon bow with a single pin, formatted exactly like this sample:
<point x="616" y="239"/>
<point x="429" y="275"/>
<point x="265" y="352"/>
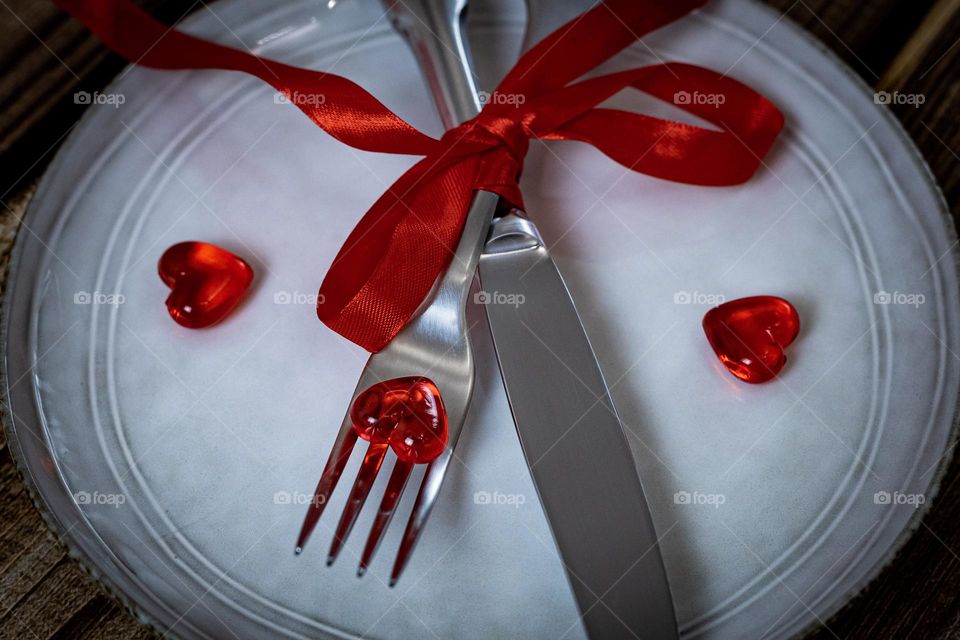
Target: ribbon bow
<point x="391" y="259"/>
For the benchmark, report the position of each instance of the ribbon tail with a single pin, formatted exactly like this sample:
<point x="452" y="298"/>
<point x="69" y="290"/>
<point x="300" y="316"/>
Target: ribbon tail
<point x="337" y="105"/>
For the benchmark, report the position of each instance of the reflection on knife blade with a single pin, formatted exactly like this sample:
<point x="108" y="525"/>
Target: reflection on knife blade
<point x="573" y="441"/>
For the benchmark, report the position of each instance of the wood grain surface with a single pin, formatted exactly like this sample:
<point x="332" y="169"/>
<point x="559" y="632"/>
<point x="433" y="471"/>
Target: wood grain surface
<point x="904" y="45"/>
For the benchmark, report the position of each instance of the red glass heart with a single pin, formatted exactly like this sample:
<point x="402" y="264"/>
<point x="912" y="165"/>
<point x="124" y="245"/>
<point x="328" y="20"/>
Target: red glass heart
<point x="750" y="334"/>
<point x="206" y="282"/>
<point x="406" y="413"/>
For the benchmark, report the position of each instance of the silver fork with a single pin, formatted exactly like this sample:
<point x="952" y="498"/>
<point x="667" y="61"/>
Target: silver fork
<point x="437" y="340"/>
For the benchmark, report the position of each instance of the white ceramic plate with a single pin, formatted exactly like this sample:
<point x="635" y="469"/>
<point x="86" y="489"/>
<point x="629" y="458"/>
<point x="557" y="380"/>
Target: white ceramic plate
<point x="176" y="463"/>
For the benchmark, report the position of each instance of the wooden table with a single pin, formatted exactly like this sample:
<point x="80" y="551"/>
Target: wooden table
<point x="906" y="45"/>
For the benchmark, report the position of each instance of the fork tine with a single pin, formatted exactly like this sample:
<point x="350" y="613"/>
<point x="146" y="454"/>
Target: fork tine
<point x="429" y="488"/>
<point x="398" y="480"/>
<point x="332" y="471"/>
<point x="358" y="495"/>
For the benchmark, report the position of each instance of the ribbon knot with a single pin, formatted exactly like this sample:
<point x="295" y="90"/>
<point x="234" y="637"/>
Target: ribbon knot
<point x="510" y="133"/>
<point x="497" y="144"/>
<point x="486" y="131"/>
<point x="391" y="259"/>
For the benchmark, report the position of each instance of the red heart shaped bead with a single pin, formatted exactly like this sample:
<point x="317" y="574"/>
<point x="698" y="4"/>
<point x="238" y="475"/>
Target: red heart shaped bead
<point x="750" y="334"/>
<point x="406" y="413"/>
<point x="206" y="282"/>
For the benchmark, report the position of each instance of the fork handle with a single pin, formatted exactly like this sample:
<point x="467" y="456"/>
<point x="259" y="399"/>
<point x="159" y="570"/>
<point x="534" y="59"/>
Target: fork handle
<point x="434" y="31"/>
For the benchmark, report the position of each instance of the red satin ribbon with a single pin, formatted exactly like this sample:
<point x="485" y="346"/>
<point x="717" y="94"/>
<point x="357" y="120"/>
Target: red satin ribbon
<point x="393" y="256"/>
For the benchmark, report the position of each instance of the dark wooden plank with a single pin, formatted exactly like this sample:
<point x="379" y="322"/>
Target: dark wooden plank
<point x="54" y="601"/>
<point x="935" y="126"/>
<point x="866" y="35"/>
<point x="28" y="553"/>
<point x="924" y="39"/>
<point x="11" y="209"/>
<point x="102" y="619"/>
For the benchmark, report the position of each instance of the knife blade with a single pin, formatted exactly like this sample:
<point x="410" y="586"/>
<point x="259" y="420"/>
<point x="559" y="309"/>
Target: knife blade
<point x="573" y="440"/>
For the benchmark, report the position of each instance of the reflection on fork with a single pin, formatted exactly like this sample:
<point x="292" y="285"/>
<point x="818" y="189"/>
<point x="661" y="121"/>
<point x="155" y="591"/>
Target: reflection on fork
<point x="405" y="414"/>
<point x="410" y="415"/>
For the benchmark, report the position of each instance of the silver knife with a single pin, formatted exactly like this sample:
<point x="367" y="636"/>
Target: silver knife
<point x="571" y="434"/>
<point x="573" y="441"/>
